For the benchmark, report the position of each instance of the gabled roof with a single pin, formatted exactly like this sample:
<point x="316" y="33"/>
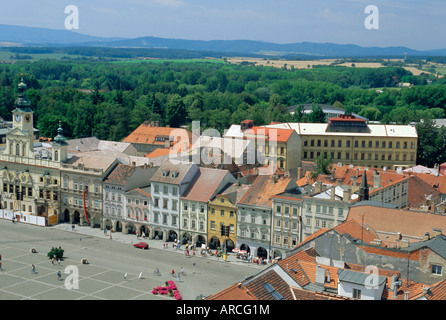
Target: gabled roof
<point x="435" y="292"/>
<point x="140" y="192"/>
<point x="237" y="291"/>
<point x="205" y="184"/>
<point x="387" y="220"/>
<point x="264" y="187"/>
<point x="120" y="174"/>
<point x="269" y="286"/>
<point x="269" y="134"/>
<point x="172" y="172"/>
<point x="436" y="244"/>
<point x="146" y="134"/>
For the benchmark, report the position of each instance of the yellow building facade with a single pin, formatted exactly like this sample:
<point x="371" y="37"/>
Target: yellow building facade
<point x="221" y="211"/>
<point x="350" y="140"/>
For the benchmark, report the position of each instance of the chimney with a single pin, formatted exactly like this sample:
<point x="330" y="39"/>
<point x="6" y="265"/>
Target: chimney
<point x="377" y="181"/>
<point x="299" y="173"/>
<point x="426" y="290"/>
<point x="436" y="232"/>
<point x="346" y="195"/>
<point x="404" y="243"/>
<point x="394" y="284"/>
<point x="318" y="187"/>
<point x="406" y="295"/>
<point x="426" y="236"/>
<point x="332" y="192"/>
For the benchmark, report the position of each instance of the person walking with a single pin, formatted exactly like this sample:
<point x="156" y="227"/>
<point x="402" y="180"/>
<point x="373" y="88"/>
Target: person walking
<point x="182" y="271"/>
<point x="59" y="274"/>
<point x="33" y="269"/>
<point x="125" y="276"/>
<point x="58" y="261"/>
<point x="1" y="268"/>
<point x="140" y="275"/>
<point x="52" y="261"/>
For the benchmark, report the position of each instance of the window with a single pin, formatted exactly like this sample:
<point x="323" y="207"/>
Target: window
<point x="185" y="206"/>
<point x="436" y="269"/>
<point x="212" y="225"/>
<point x="222" y="213"/>
<point x="294" y="212"/>
<point x="356" y="293"/>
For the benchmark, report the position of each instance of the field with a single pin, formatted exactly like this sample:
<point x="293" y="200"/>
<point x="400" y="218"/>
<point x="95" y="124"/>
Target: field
<point x="308" y="64"/>
<point x="149" y="60"/>
<point x="298" y="64"/>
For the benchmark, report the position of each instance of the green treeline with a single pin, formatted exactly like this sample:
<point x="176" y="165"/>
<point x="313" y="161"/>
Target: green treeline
<point x="109" y="100"/>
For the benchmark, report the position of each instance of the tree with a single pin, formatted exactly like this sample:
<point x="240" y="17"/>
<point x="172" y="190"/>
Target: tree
<point x="322" y="166"/>
<point x="317" y="115"/>
<point x="427" y="153"/>
<point x="176" y="111"/>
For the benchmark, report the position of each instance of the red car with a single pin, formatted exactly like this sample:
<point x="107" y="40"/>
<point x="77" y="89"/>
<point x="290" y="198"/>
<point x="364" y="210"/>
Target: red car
<point x="141" y="245"/>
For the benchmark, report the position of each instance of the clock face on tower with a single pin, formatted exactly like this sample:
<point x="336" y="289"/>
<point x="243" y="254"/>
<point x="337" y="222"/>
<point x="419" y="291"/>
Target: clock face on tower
<point x="17" y="117"/>
<point x="27" y="117"/>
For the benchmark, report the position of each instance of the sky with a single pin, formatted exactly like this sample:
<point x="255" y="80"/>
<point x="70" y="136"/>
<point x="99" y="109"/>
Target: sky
<point x="417" y="24"/>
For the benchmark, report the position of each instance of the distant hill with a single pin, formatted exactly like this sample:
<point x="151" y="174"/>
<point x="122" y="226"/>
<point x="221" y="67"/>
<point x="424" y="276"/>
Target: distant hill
<point x="28" y="36"/>
<point x="41" y="36"/>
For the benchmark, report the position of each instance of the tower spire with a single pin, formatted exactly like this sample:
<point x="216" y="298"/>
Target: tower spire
<point x="363" y="191"/>
<point x="22" y="101"/>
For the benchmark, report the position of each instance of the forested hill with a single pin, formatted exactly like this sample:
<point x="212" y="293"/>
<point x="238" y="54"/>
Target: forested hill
<point x="110" y="99"/>
<point x="30" y="36"/>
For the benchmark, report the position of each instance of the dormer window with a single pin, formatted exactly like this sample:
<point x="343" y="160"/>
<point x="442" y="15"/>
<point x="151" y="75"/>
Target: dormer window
<point x="165" y="173"/>
<point x="174" y="174"/>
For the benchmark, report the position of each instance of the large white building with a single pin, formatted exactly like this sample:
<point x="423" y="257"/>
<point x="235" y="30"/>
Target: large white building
<point x="168" y="184"/>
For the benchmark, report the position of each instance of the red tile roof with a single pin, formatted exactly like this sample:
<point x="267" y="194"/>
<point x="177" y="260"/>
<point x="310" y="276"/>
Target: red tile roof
<point x="271" y="134"/>
<point x="120" y="174"/>
<point x="146" y="134"/>
<point x="235" y="292"/>
<point x="263" y="188"/>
